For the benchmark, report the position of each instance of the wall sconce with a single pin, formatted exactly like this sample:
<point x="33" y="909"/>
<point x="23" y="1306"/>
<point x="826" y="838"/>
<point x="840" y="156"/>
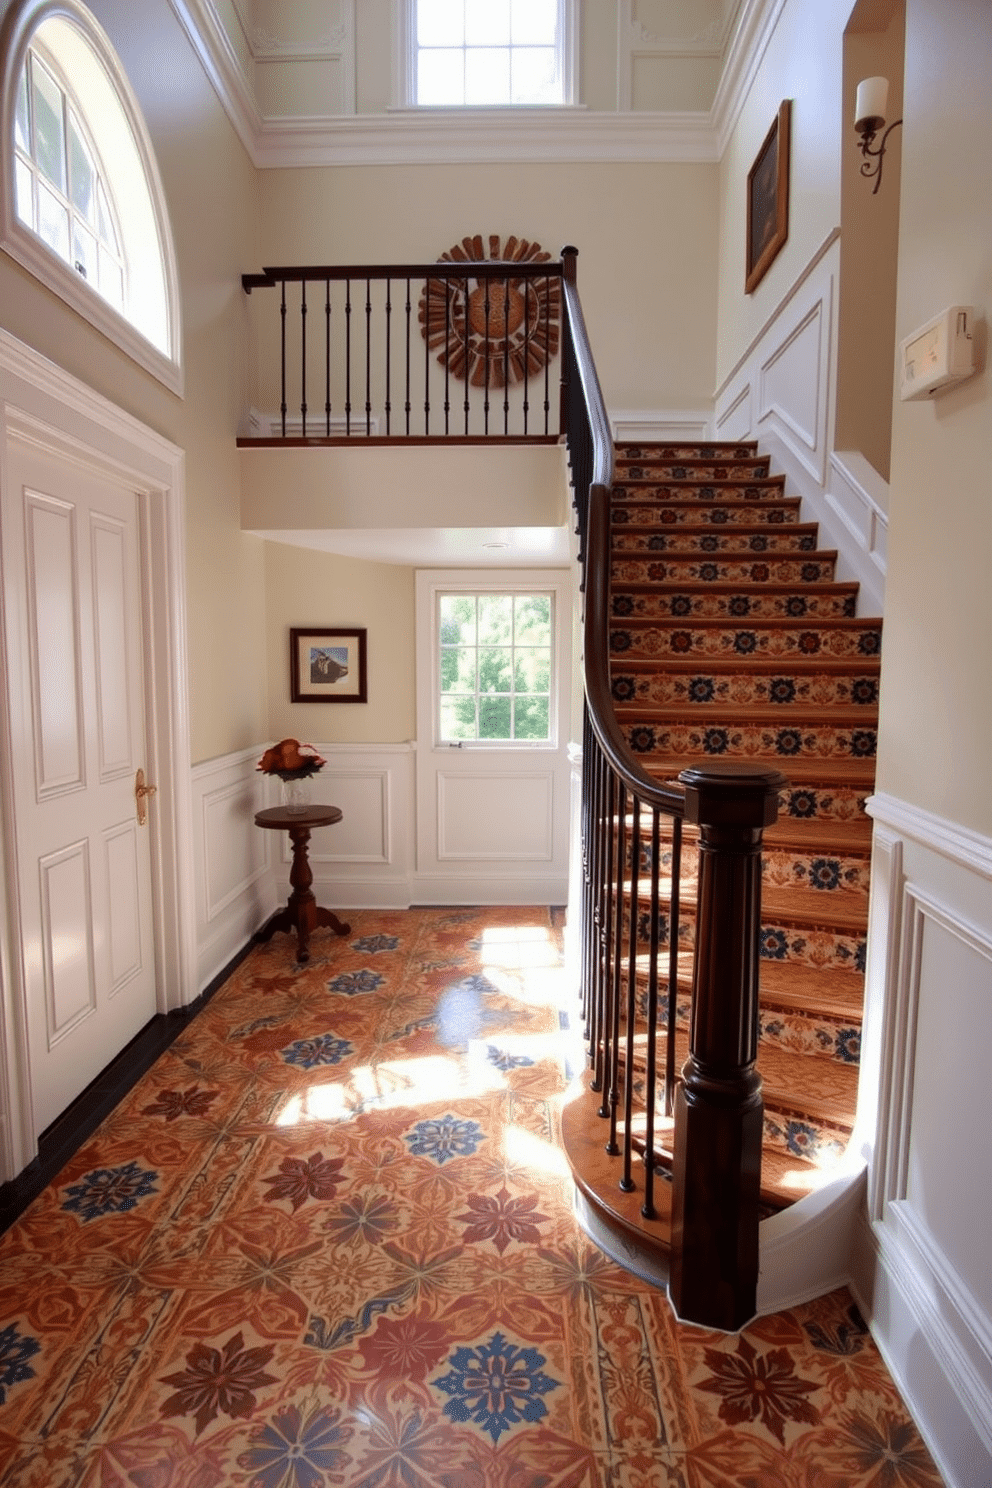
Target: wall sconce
<point x="869" y="118"/>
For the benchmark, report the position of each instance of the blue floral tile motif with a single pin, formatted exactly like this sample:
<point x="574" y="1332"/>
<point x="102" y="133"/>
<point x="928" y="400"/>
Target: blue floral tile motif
<point x="863" y="743"/>
<point x="623" y="604"/>
<point x="496" y="1386"/>
<point x="681" y="604"/>
<point x="295" y="1451"/>
<point x="788" y="741"/>
<point x="642" y="739"/>
<point x="109" y="1191"/>
<point x="718" y="516"/>
<point x="774" y="945"/>
<point x="864" y="690"/>
<point x="15" y="1351"/>
<point x="848" y="1045"/>
<point x="709" y="572"/>
<point x="745" y="641"/>
<point x="869" y="643"/>
<point x="709" y="542"/>
<point x="801" y="804"/>
<point x="801" y="1139"/>
<point x="311" y="1053"/>
<point x="781" y="690"/>
<point x="352" y="983"/>
<point x="620" y="640"/>
<point x="701" y="689"/>
<point x="444" y="1138"/>
<point x="656" y="543"/>
<point x="811" y="572"/>
<point x="738" y="605"/>
<point x="861" y="955"/>
<point x="758" y="543"/>
<point x="716" y="741"/>
<point x="824" y="873"/>
<point x="504" y="1061"/>
<point x="624" y="689"/>
<point x="370" y="945"/>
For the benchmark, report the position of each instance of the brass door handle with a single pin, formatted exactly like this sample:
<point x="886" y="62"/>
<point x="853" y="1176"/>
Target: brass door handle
<point x="141" y="791"/>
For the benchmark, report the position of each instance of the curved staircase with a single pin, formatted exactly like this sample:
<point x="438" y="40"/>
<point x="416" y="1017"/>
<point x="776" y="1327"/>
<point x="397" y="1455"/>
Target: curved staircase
<point x="729" y="637"/>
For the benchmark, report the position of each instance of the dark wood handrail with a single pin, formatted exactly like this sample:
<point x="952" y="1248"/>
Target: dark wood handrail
<point x="493" y="268"/>
<point x="595" y="524"/>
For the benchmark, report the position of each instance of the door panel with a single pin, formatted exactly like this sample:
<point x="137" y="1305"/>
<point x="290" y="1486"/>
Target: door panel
<point x="73" y="617"/>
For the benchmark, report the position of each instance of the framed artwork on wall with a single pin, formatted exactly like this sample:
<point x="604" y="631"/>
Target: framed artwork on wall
<point x="768" y="199"/>
<point x="327" y="665"/>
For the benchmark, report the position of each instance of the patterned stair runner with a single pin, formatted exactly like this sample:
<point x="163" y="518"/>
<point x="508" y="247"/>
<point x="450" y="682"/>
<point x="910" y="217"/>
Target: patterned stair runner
<point x="730" y="638"/>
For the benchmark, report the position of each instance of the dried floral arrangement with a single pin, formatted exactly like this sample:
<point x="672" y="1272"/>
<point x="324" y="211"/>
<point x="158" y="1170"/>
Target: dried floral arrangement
<point x="287" y="760"/>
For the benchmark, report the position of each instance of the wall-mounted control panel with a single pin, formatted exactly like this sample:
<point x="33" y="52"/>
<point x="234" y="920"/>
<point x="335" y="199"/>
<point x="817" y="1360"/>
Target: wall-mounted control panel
<point x="940" y="353"/>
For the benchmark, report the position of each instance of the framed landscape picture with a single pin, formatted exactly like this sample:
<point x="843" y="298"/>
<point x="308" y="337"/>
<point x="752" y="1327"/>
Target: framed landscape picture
<point x="327" y="665"/>
<point x="768" y="199"/>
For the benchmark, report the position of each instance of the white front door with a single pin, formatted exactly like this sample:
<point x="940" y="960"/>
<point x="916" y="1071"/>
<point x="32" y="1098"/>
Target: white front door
<point x="75" y="694"/>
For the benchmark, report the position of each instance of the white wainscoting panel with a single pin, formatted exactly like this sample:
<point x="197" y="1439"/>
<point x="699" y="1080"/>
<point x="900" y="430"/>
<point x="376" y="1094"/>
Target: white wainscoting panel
<point x="494" y="818"/>
<point x="782" y="392"/>
<point x="235" y="881"/>
<point x="365" y="860"/>
<point x="920" y="1263"/>
<point x="664" y="426"/>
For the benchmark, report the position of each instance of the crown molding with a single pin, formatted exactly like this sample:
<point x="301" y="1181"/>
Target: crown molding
<point x="463" y="136"/>
<point x="755" y="28"/>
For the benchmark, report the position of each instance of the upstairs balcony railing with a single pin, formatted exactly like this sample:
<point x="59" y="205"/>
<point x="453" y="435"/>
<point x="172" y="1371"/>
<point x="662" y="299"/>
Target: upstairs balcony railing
<point x="667" y="1157"/>
<point x="451" y="350"/>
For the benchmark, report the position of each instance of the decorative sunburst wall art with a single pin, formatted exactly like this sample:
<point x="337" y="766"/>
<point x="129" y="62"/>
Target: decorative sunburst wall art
<point x="522" y="320"/>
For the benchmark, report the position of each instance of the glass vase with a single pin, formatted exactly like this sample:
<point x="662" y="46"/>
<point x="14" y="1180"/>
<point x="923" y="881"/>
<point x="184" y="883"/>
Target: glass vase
<point x="296" y="795"/>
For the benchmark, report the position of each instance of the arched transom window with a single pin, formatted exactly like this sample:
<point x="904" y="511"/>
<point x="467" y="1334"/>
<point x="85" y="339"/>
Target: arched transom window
<point x="82" y="203"/>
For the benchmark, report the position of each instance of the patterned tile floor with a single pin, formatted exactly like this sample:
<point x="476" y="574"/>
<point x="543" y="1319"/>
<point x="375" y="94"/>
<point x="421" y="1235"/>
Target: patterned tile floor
<point x="328" y="1239"/>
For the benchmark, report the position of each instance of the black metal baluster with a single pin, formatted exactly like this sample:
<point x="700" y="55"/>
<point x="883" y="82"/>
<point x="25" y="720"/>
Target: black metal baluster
<point x="368" y="356"/>
<point x="427" y="360"/>
<point x="627" y="1181"/>
<point x="468" y="350"/>
<point x="327" y="357"/>
<point x="485" y="402"/>
<point x="303" y="357"/>
<point x="619" y="842"/>
<point x="651" y="1074"/>
<point x="526" y="353"/>
<point x="406" y="404"/>
<point x="599" y="918"/>
<point x="587" y="833"/>
<point x="347" y="356"/>
<point x="389" y="350"/>
<point x="547" y="354"/>
<point x="606" y="828"/>
<point x="282" y="313"/>
<point x="447" y="351"/>
<point x="506" y="357"/>
<point x="673" y="964"/>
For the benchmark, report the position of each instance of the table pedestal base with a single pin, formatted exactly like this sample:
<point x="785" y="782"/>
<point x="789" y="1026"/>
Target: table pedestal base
<point x="302" y="913"/>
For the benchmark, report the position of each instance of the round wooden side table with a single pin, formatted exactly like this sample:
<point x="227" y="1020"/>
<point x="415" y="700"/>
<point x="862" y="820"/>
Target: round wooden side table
<point x="302" y="913"/>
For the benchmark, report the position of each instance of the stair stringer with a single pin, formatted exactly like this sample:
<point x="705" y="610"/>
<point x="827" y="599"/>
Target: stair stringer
<point x="805" y="1250"/>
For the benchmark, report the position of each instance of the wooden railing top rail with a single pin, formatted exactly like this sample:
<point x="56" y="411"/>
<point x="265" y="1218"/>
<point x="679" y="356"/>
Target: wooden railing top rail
<point x="492" y="268"/>
<point x="596" y="625"/>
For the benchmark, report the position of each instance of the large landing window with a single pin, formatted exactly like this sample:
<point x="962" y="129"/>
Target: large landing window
<point x="82" y="206"/>
<point x="484" y="53"/>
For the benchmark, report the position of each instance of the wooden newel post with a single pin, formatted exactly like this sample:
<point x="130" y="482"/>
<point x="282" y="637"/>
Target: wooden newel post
<point x="718" y="1110"/>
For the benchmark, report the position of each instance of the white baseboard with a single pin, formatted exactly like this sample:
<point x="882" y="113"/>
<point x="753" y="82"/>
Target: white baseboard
<point x="512" y="888"/>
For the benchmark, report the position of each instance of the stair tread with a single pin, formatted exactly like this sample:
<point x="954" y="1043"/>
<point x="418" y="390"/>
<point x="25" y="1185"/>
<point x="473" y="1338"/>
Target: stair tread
<point x="812" y="770"/>
<point x="784" y="715"/>
<point x="809" y="989"/>
<point x="847" y="910"/>
<point x="745" y="622"/>
<point x="807" y="666"/>
<point x="821" y="835"/>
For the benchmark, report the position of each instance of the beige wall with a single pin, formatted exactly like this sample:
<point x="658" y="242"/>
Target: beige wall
<point x="936" y="717"/>
<point x="211" y="190"/>
<point x="804" y="62"/>
<point x="307" y="588"/>
<point x="869" y="250"/>
<point x="646" y="236"/>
